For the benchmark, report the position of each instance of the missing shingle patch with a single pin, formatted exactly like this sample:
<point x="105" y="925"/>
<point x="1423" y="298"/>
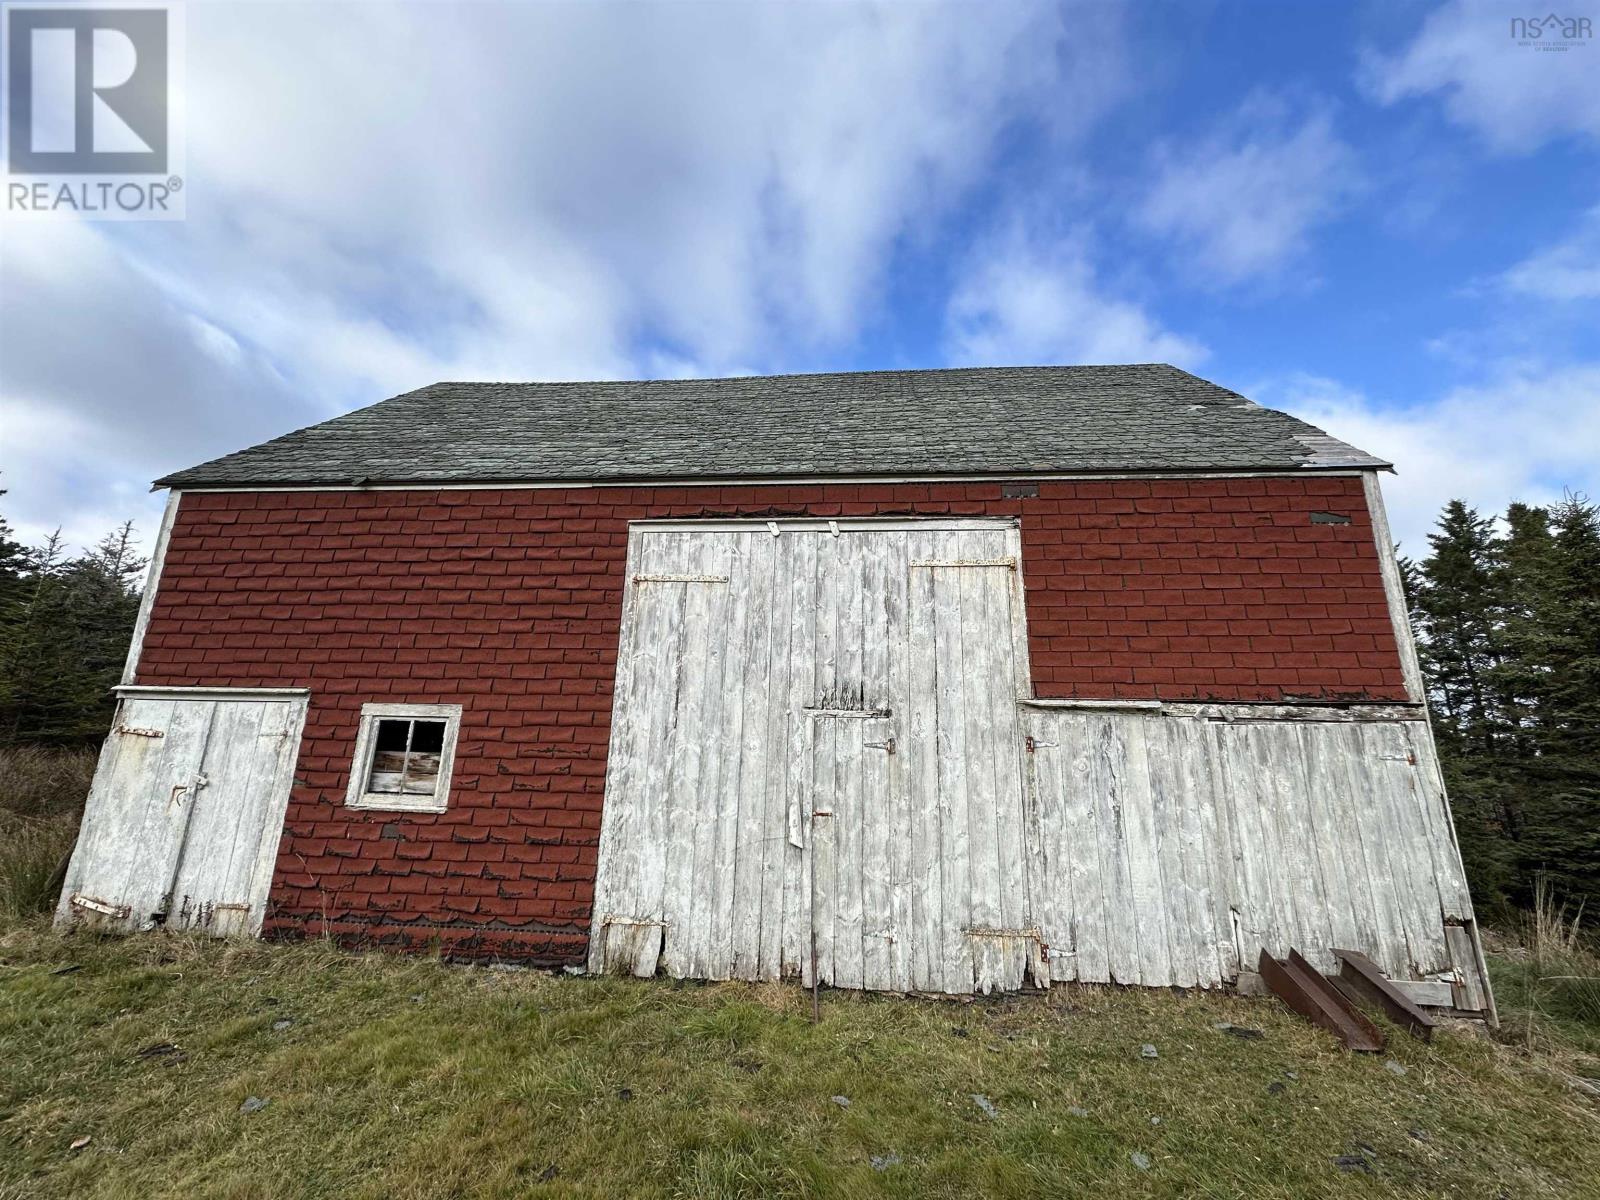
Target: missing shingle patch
<point x="1328" y="518"/>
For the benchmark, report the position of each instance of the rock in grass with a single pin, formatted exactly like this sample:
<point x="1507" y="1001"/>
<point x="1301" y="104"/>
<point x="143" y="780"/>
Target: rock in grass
<point x="842" y="1101"/>
<point x="78" y="1143"/>
<point x="1352" y="1162"/>
<point x="1239" y="1031"/>
<point x="882" y="1162"/>
<point x="987" y="1105"/>
<point x="1140" y="1160"/>
<point x="1276" y="1088"/>
<point x="253" y="1104"/>
<point x="281" y="1024"/>
<point x="1077" y="1111"/>
<point x="1394" y="1068"/>
<point x="1148" y="1051"/>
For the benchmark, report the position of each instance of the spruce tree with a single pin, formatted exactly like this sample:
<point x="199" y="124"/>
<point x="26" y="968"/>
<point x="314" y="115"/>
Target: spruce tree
<point x="1562" y="828"/>
<point x="64" y="633"/>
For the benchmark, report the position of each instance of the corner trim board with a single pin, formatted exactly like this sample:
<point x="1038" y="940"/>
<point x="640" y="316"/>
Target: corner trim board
<point x="147" y="601"/>
<point x="1394" y="590"/>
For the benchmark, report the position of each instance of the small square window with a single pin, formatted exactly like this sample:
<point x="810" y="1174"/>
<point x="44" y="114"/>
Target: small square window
<point x="403" y="757"/>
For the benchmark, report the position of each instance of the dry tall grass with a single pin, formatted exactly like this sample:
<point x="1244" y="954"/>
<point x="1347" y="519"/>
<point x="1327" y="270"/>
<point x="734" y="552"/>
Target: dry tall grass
<point x="41" y="800"/>
<point x="1553" y="979"/>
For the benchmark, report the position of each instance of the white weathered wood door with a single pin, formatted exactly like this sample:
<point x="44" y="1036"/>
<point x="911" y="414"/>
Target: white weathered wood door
<point x="815" y="752"/>
<point x="1179" y="841"/>
<point x="183" y="819"/>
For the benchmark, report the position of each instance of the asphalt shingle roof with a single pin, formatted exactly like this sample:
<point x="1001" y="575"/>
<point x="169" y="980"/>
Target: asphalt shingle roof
<point x="987" y="420"/>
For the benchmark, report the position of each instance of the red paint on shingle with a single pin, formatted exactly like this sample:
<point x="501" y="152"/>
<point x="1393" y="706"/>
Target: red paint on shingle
<point x="507" y="602"/>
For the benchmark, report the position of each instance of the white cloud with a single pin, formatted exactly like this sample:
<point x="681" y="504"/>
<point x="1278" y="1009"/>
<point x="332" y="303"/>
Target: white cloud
<point x="1569" y="270"/>
<point x="1242" y="201"/>
<point x="1032" y="299"/>
<point x="1516" y="97"/>
<point x="381" y="197"/>
<point x="1527" y="434"/>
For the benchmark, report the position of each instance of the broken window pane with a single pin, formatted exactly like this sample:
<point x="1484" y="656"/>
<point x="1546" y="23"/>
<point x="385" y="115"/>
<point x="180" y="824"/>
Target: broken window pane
<point x="406" y="757"/>
<point x="427" y="736"/>
<point x="389" y="756"/>
<point x="422" y="765"/>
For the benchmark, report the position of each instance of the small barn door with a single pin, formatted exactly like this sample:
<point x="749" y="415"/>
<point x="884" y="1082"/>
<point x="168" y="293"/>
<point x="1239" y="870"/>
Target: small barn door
<point x="182" y="822"/>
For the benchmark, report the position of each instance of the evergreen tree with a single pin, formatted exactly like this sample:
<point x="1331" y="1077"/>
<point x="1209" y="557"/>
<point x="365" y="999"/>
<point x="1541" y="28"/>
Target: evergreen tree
<point x="1509" y="635"/>
<point x="1562" y="828"/>
<point x="1456" y="614"/>
<point x="64" y="632"/>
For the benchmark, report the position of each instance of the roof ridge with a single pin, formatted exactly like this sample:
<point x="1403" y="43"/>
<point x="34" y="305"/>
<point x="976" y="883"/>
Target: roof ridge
<point x="871" y="372"/>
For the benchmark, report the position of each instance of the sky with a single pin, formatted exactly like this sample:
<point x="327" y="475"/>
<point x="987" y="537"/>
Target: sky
<point x="1382" y="217"/>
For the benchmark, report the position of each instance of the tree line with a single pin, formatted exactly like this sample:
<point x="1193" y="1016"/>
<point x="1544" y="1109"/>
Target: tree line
<point x="1506" y="612"/>
<point x="1507" y="616"/>
<point x="65" y="624"/>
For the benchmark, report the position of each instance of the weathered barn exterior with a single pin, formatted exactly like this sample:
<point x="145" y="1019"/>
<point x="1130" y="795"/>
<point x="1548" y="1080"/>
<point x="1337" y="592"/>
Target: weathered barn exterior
<point x="933" y="680"/>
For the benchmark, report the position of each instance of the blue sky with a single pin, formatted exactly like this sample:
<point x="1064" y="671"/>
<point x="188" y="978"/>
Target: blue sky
<point x="1383" y="217"/>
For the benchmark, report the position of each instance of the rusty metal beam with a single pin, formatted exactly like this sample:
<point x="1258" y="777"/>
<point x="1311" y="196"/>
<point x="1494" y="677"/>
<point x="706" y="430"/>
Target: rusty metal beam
<point x="1361" y="975"/>
<point x="1306" y="990"/>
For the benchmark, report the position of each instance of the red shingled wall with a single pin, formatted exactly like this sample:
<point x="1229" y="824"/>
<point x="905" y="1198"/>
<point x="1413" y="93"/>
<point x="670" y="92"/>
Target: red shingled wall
<point x="507" y="602"/>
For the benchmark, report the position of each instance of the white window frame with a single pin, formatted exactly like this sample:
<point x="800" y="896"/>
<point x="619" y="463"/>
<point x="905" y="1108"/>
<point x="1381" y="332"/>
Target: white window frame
<point x="356" y="794"/>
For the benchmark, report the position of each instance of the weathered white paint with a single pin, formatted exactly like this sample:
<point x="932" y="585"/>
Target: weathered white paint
<point x="824" y="743"/>
<point x="820" y="754"/>
<point x="1177" y="847"/>
<point x="183" y="819"/>
<point x="1393" y="588"/>
<point x="152" y="581"/>
<point x="1473" y="996"/>
<point x="356" y="794"/>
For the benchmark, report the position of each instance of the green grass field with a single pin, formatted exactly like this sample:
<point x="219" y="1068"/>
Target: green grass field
<point x="397" y="1077"/>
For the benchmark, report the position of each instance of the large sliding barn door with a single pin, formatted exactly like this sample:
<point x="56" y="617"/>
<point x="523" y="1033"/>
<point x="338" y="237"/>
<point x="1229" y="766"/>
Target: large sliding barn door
<point x="815" y="758"/>
<point x="182" y="823"/>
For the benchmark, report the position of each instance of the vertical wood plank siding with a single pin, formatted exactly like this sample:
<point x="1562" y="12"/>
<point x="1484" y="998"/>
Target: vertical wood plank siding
<point x="945" y="833"/>
<point x="1177" y="847"/>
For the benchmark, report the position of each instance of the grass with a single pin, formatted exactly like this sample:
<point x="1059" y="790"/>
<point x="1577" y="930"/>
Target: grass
<point x="1549" y="975"/>
<point x="404" y="1077"/>
<point x="41" y="799"/>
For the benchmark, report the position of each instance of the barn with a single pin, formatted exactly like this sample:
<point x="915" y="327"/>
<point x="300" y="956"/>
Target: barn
<point x="943" y="681"/>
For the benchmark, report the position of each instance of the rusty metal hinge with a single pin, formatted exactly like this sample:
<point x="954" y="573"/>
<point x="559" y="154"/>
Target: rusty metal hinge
<point x="104" y="908"/>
